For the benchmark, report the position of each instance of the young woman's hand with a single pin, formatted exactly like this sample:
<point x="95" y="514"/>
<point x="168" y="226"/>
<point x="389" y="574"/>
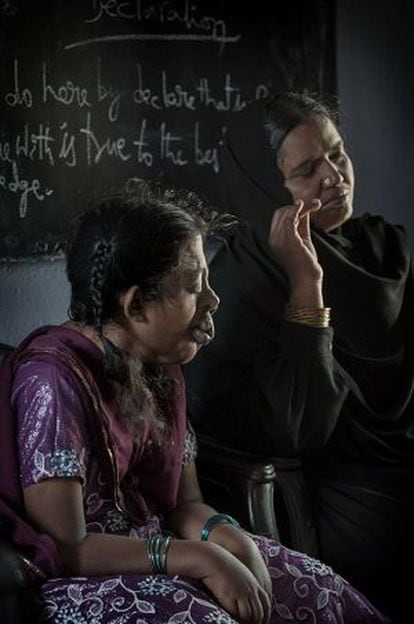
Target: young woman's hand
<point x="242" y="546"/>
<point x="236" y="588"/>
<point x="249" y="554"/>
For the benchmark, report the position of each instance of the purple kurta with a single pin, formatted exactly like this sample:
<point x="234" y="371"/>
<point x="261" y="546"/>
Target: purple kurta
<point x="56" y="439"/>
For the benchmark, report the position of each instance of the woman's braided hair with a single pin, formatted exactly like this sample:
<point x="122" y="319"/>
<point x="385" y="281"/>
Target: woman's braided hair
<point x="101" y="260"/>
<point x="133" y="238"/>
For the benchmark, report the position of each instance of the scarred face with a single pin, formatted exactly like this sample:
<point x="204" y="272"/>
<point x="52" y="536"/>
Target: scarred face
<point x="174" y="328"/>
<point x="315" y="165"/>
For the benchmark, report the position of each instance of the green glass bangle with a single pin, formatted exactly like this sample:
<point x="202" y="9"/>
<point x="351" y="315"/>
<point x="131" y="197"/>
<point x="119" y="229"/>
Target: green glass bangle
<point x="157" y="554"/>
<point x="214" y="521"/>
<point x="152" y="545"/>
<point x="157" y="548"/>
<point x="163" y="563"/>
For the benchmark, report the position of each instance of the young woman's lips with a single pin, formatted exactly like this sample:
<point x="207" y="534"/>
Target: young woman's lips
<point x="202" y="334"/>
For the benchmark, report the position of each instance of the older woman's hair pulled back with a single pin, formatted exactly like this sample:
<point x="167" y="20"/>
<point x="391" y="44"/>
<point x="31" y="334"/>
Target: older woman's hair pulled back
<point x="286" y="110"/>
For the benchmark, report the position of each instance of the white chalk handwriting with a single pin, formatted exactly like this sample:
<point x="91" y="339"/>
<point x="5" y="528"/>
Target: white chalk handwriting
<point x="24" y="188"/>
<point x="197" y="27"/>
<point x="67" y="123"/>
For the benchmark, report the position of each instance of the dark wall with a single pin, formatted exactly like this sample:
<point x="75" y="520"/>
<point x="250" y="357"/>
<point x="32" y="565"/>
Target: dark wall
<point x="375" y="53"/>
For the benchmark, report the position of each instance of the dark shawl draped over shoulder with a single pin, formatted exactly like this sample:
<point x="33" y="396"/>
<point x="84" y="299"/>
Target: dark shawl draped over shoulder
<point x="152" y="484"/>
<point x="368" y="283"/>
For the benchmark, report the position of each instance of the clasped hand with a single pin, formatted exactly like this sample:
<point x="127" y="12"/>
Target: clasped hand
<point x="242" y="588"/>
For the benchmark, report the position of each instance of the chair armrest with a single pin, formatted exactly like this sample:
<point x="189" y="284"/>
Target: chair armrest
<point x="293" y="501"/>
<point x="268" y="495"/>
<point x="238" y="483"/>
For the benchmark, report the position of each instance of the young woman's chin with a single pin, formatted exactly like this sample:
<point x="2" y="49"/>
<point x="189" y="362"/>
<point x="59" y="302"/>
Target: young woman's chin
<point x="181" y="355"/>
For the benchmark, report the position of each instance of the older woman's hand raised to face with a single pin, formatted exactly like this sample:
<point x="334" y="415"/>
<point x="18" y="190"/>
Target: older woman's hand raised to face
<point x="291" y="242"/>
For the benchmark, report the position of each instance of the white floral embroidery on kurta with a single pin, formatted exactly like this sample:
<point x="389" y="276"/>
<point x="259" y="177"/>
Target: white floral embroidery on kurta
<point x="59" y="463"/>
<point x="190" y="446"/>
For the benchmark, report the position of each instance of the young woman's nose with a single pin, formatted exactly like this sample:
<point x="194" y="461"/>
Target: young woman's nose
<point x="211" y="299"/>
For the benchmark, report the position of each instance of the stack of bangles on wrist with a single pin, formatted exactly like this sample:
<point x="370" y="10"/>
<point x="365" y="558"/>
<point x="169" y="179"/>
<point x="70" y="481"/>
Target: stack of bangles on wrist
<point x="213" y="521"/>
<point x="158" y="546"/>
<point x="313" y="317"/>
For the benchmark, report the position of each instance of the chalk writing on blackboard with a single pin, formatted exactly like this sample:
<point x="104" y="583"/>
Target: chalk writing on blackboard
<point x="94" y="92"/>
<point x="83" y="143"/>
<point x="205" y="28"/>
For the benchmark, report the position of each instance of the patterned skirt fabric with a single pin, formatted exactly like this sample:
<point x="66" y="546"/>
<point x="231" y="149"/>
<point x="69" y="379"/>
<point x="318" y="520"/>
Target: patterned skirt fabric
<point x="304" y="590"/>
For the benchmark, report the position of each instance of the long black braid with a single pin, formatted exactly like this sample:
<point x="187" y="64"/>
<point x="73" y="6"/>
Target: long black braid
<point x="101" y="262"/>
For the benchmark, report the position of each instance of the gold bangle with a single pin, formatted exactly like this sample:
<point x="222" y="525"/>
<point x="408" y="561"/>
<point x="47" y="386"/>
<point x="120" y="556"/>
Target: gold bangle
<point x="313" y="317"/>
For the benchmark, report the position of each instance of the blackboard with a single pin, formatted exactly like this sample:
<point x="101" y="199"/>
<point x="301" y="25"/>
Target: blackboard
<point x="93" y="92"/>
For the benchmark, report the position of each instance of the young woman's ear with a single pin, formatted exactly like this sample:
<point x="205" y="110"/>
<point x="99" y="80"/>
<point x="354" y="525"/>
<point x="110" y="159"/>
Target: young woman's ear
<point x="131" y="304"/>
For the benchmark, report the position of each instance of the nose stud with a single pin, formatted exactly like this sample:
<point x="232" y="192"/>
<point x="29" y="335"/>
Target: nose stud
<point x="327" y="181"/>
